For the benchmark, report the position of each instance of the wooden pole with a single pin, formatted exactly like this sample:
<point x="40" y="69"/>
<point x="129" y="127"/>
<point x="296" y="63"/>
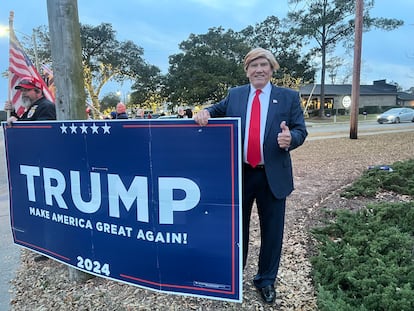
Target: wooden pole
<point x="67" y="66"/>
<point x="355" y="93"/>
<point x="70" y="101"/>
<point x="11" y="20"/>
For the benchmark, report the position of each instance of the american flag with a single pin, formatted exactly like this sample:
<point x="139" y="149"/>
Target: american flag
<point x="48" y="78"/>
<point x="20" y="66"/>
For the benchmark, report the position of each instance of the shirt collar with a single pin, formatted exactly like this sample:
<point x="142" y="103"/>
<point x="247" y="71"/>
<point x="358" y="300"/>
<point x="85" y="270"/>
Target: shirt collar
<point x="266" y="88"/>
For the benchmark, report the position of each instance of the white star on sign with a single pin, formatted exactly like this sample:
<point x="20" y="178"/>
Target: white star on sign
<point x="63" y="127"/>
<point x="84" y="128"/>
<point x="106" y="128"/>
<point x="73" y="128"/>
<point x="94" y="128"/>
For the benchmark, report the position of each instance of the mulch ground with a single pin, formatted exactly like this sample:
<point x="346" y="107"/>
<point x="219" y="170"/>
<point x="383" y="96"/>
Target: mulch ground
<point x="321" y="168"/>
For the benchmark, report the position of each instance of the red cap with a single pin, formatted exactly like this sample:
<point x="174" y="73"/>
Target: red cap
<point x="29" y="83"/>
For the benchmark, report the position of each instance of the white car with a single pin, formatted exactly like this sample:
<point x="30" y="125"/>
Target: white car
<point x="396" y="115"/>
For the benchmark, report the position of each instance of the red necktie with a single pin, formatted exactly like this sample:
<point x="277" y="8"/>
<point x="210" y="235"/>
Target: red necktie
<point x="253" y="144"/>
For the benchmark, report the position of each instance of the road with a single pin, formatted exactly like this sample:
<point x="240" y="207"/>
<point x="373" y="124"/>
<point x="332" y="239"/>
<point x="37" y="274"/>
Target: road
<point x="9" y="253"/>
<point x="336" y="130"/>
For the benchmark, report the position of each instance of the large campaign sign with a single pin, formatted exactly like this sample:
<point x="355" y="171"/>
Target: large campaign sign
<point x="152" y="203"/>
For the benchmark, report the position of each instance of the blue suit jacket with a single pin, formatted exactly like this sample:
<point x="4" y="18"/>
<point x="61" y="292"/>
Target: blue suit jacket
<point x="284" y="106"/>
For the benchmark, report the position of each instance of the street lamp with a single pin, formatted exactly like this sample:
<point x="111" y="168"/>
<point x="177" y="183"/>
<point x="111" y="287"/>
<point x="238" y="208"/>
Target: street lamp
<point x="123" y="96"/>
<point x="4" y="31"/>
<point x="119" y="94"/>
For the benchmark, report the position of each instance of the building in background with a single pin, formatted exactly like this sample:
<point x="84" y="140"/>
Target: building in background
<point x="374" y="98"/>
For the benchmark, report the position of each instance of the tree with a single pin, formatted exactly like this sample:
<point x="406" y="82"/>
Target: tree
<point x="109" y="101"/>
<point x="104" y="59"/>
<point x="209" y="64"/>
<point x="41" y="37"/>
<point x="329" y="22"/>
<point x="332" y="66"/>
<point x="147" y="86"/>
<point x="274" y="35"/>
<point x="212" y="63"/>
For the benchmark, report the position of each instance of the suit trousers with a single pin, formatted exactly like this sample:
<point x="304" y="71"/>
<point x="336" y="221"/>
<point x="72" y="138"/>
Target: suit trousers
<point x="271" y="213"/>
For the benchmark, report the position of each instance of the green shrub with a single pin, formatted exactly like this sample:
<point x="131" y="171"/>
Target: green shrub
<point x="400" y="180"/>
<point x="366" y="260"/>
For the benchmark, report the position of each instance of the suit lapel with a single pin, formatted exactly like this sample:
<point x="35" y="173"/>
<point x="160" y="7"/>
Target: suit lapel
<point x="274" y="104"/>
<point x="243" y="101"/>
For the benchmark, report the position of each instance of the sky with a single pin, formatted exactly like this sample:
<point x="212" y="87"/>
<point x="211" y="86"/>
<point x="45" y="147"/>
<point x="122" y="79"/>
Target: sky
<point x="160" y="26"/>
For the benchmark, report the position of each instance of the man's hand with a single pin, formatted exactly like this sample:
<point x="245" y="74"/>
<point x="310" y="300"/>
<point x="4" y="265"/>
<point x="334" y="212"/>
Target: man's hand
<point x="10" y="120"/>
<point x="202" y="117"/>
<point x="284" y="138"/>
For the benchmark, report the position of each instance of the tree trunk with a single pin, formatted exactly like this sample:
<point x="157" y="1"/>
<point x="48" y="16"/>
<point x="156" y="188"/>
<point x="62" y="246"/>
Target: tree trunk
<point x="323" y="71"/>
<point x="322" y="97"/>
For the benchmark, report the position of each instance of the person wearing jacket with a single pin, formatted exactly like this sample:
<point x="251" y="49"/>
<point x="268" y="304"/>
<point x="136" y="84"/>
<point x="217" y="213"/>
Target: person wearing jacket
<point x="278" y="127"/>
<point x="38" y="107"/>
<point x="121" y="111"/>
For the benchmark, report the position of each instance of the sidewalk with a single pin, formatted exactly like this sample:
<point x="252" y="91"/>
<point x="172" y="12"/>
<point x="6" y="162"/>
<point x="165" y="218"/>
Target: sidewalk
<point x="9" y="253"/>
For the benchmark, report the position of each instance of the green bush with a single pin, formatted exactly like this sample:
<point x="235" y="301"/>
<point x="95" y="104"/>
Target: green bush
<point x="400" y="180"/>
<point x="365" y="259"/>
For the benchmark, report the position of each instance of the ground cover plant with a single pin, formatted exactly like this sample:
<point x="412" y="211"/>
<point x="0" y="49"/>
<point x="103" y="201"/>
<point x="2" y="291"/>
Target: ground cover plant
<point x="365" y="258"/>
<point x="398" y="177"/>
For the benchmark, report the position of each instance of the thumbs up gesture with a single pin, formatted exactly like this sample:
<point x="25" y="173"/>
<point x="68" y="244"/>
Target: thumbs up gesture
<point x="284" y="138"/>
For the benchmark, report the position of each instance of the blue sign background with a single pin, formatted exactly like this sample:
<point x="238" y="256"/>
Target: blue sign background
<point x="198" y="254"/>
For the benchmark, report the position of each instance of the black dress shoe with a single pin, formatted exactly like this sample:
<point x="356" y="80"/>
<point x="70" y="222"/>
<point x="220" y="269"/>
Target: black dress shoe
<point x="268" y="294"/>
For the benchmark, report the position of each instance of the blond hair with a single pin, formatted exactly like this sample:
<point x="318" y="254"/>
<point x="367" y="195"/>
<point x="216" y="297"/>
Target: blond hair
<point x="258" y="53"/>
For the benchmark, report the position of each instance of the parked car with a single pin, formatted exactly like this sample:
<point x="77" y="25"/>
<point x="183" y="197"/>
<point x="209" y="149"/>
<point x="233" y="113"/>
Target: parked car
<point x="396" y="115"/>
<point x="170" y="116"/>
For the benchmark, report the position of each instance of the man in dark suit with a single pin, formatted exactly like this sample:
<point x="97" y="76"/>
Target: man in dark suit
<point x="275" y="128"/>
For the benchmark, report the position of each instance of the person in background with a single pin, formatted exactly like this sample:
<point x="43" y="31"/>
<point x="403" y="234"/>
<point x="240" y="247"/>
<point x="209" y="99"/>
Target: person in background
<point x="121" y="111"/>
<point x="180" y="113"/>
<point x="140" y="113"/>
<point x="112" y="115"/>
<point x="272" y="124"/>
<point x="37" y="106"/>
<point x="89" y="114"/>
<point x="188" y="113"/>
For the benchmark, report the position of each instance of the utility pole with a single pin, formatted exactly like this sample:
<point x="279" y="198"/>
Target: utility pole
<point x="68" y="71"/>
<point x="67" y="59"/>
<point x="35" y="51"/>
<point x="353" y="133"/>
